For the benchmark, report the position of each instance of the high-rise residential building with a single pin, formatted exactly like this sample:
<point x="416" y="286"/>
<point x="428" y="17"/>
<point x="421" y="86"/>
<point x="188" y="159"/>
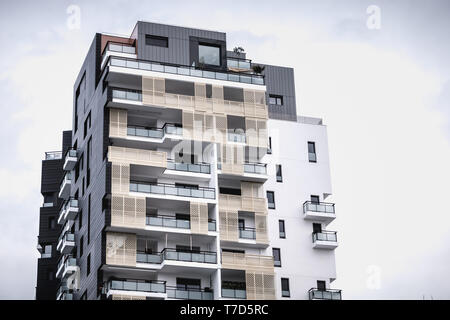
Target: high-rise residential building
<point x="189" y="176"/>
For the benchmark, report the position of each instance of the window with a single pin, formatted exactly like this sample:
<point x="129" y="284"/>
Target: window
<point x="317" y="228"/>
<point x="282" y="229"/>
<point x="87" y="125"/>
<point x="81" y="246"/>
<point x="51" y="223"/>
<point x="315" y="199"/>
<point x="47" y="253"/>
<point x="88" y="161"/>
<point x="182" y="248"/>
<point x="156" y="41"/>
<point x="89" y="220"/>
<point x="209" y="55"/>
<point x="285" y="287"/>
<point x="271" y="199"/>
<point x="275" y="100"/>
<point x="188" y="284"/>
<point x="276" y="257"/>
<point x="236" y="192"/>
<point x="269" y="150"/>
<point x="312" y="152"/>
<point x="279" y="174"/>
<point x="241" y="224"/>
<point x="88" y="264"/>
<point x="50" y="275"/>
<point x="80" y="219"/>
<point x="321" y="285"/>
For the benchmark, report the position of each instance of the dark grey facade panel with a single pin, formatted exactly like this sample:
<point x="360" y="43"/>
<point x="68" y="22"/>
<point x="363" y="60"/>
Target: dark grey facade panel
<point x="280" y="81"/>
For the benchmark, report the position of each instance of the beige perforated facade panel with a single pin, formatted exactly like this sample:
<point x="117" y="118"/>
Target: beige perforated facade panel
<point x="117" y="123"/>
<point x="245" y="261"/>
<point x="199" y="217"/>
<point x="232" y="159"/>
<point x="229" y="225"/>
<point x="137" y="156"/>
<point x="121" y="249"/>
<point x="260" y="286"/>
<point x="120" y="178"/>
<point x="127" y="297"/>
<point x="127" y="211"/>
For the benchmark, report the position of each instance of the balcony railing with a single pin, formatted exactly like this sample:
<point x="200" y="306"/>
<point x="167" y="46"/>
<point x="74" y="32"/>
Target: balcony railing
<point x="324" y="236"/>
<point x="157" y="133"/>
<point x="66" y="261"/>
<point x="247" y="233"/>
<point x="119" y="47"/>
<point x="53" y="155"/>
<point x="67" y="179"/>
<point x="71" y="153"/>
<point x="64" y="293"/>
<point x="258" y="168"/>
<point x="177" y="255"/>
<point x="239" y="63"/>
<point x="173" y="222"/>
<point x="189" y="294"/>
<point x="327" y="294"/>
<point x="234" y="293"/>
<point x="173" y="190"/>
<point x="235" y="136"/>
<point x="189" y="167"/>
<point x="323" y="207"/>
<point x="184" y="70"/>
<point x="168" y="221"/>
<point x="127" y="94"/>
<point x="155" y="286"/>
<point x="70" y="203"/>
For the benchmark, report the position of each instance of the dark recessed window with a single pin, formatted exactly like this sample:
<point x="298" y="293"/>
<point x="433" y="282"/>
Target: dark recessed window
<point x="81" y="246"/>
<point x="209" y="55"/>
<point x="276" y="257"/>
<point x="156" y="41"/>
<point x="285" y="292"/>
<point x="271" y="199"/>
<point x="281" y="228"/>
<point x="269" y="150"/>
<point x="321" y="285"/>
<point x="315" y="199"/>
<point x="51" y="223"/>
<point x="88" y="264"/>
<point x="279" y="173"/>
<point x="312" y="152"/>
<point x="275" y="100"/>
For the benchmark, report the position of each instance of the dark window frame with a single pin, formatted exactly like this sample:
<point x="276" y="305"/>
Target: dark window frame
<point x="279" y="177"/>
<point x="313" y="144"/>
<point x="156" y="41"/>
<point x="279" y="101"/>
<point x="282" y="225"/>
<point x="270" y="205"/>
<point x="275" y="264"/>
<point x="286" y="283"/>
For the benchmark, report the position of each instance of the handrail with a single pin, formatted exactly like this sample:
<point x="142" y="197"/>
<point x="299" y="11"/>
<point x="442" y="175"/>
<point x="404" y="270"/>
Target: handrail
<point x="324" y="235"/>
<point x="109" y="42"/>
<point x="198" y="167"/>
<point x="158" y="66"/>
<point x="53" y="155"/>
<point x="158" y="286"/>
<point x="317" y="207"/>
<point x="172" y="189"/>
<point x="71" y="150"/>
<point x="182" y="255"/>
<point x="327" y="294"/>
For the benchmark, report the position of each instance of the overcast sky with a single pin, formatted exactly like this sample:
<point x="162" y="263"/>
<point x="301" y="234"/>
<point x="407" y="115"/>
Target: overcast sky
<point x="383" y="93"/>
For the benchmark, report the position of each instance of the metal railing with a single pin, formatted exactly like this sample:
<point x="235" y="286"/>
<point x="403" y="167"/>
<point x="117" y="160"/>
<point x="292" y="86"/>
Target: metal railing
<point x="239" y="63"/>
<point x="67" y="178"/>
<point x="173" y="190"/>
<point x="156" y="286"/>
<point x="69" y="203"/>
<point x="177" y="255"/>
<point x="119" y="47"/>
<point x="157" y="133"/>
<point x="53" y="155"/>
<point x="148" y="65"/>
<point x="66" y="261"/>
<point x="259" y="168"/>
<point x="234" y="293"/>
<point x="199" y="167"/>
<point x="318" y="207"/>
<point x="247" y="233"/>
<point x="127" y="94"/>
<point x="327" y="294"/>
<point x="71" y="153"/>
<point x="167" y="221"/>
<point x="324" y="236"/>
<point x="211" y="225"/>
<point x="189" y="294"/>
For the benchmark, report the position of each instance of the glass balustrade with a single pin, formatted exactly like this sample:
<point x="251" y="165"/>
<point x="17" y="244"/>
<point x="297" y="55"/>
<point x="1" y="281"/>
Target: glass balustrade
<point x="173" y="190"/>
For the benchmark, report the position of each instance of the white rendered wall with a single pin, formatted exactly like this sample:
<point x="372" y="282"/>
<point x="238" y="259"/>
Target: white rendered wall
<point x="302" y="264"/>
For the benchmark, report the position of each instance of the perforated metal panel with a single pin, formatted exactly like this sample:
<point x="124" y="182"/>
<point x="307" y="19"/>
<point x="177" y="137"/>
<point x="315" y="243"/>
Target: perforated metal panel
<point x="127" y="211"/>
<point x="126" y="297"/>
<point x="229" y="225"/>
<point x="199" y="217"/>
<point x="260" y="286"/>
<point x="261" y="228"/>
<point x="232" y="157"/>
<point x="120" y="178"/>
<point x="121" y="249"/>
<point x="117" y="123"/>
<point x="137" y="156"/>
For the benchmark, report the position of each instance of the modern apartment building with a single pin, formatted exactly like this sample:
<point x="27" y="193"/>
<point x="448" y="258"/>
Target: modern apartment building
<point x="189" y="176"/>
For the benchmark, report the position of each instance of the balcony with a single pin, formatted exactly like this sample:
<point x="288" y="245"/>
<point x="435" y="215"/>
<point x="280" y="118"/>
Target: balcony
<point x="64" y="189"/>
<point x="200" y="167"/>
<point x="255" y="168"/>
<point x="117" y="49"/>
<point x="146" y="65"/>
<point x="70" y="160"/>
<point x="169" y="254"/>
<point x="325" y="240"/>
<point x="69" y="210"/>
<point x="148" y="288"/>
<point x="319" y="211"/>
<point x="173" y="190"/>
<point x="327" y="294"/>
<point x="189" y="294"/>
<point x="172" y="222"/>
<point x="236" y="136"/>
<point x="247" y="233"/>
<point x="234" y="293"/>
<point x="155" y="133"/>
<point x="239" y="65"/>
<point x="66" y="242"/>
<point x="67" y="265"/>
<point x="64" y="293"/>
<point x="53" y="155"/>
